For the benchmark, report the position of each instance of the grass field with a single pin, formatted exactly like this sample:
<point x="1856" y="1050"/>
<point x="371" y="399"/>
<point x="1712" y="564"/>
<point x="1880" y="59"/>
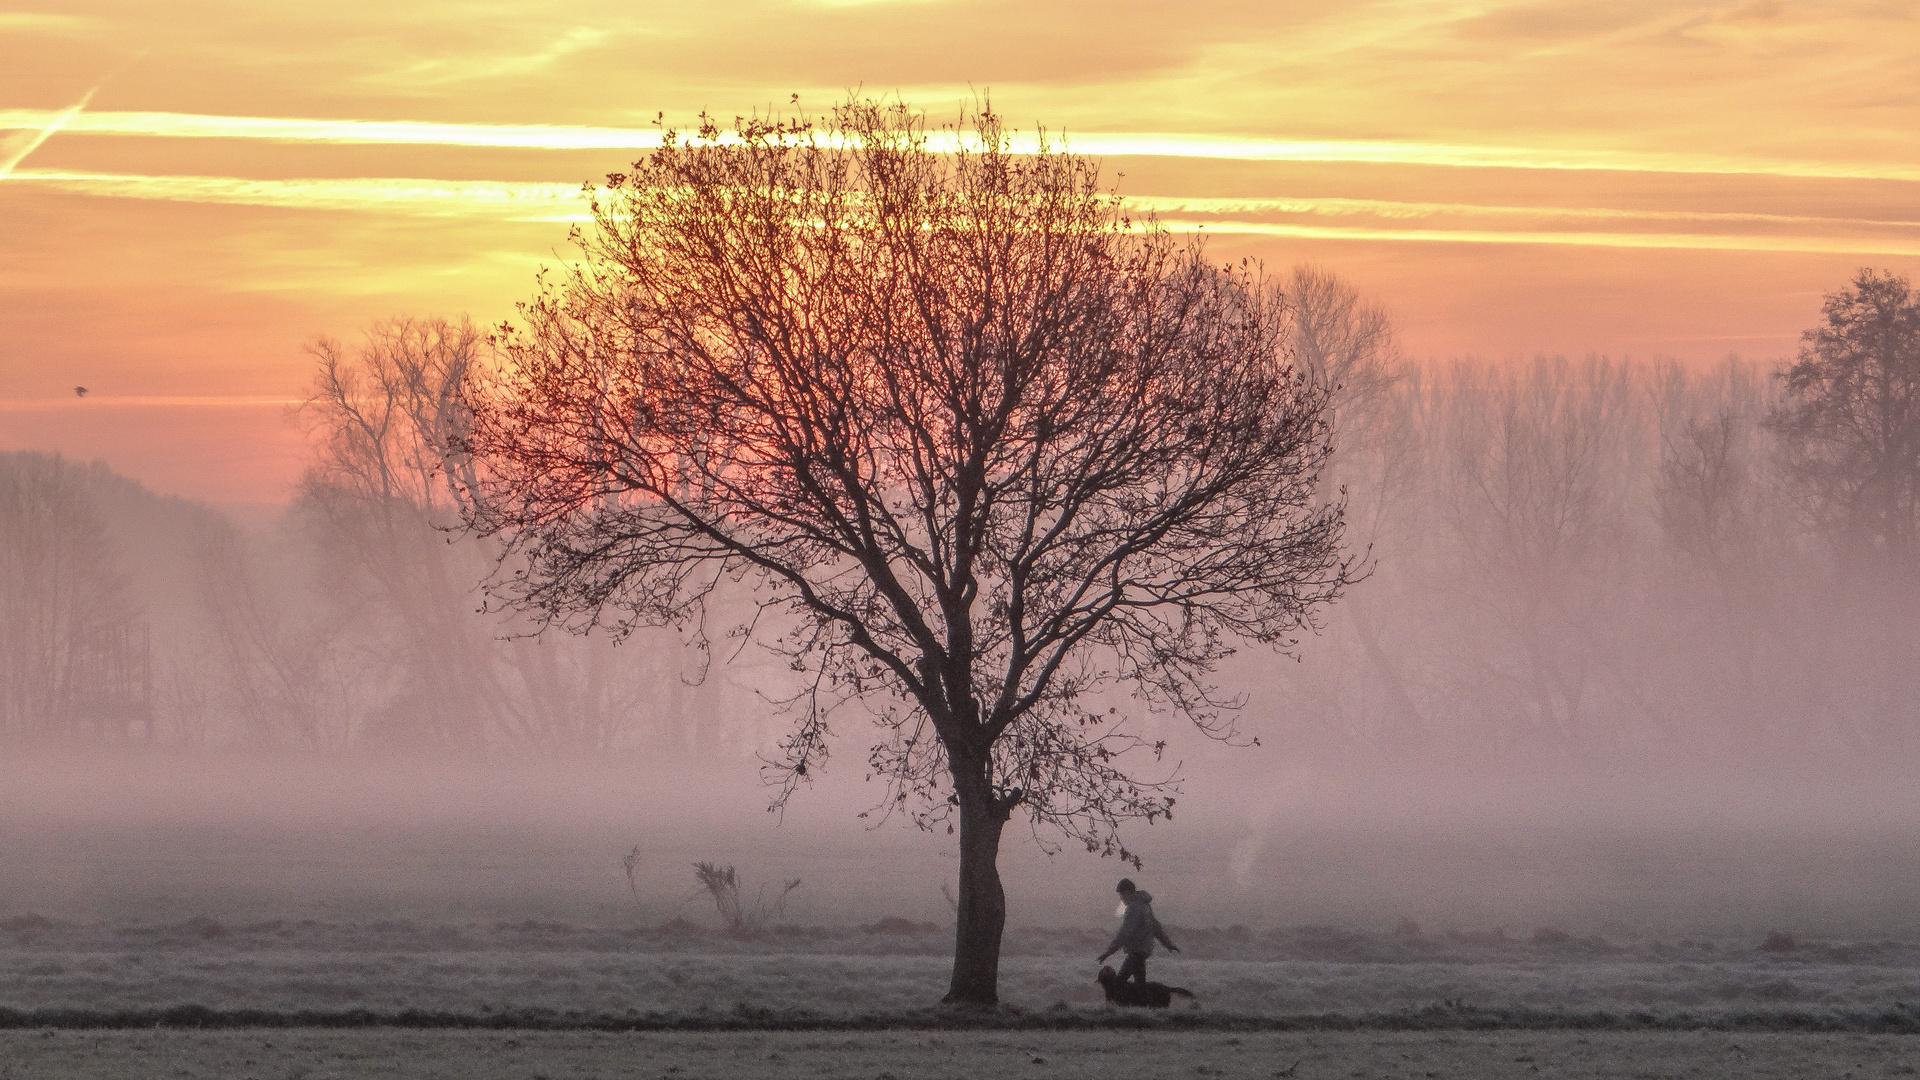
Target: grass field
<point x="531" y="1000"/>
<point x="495" y="969"/>
<point x="423" y="1055"/>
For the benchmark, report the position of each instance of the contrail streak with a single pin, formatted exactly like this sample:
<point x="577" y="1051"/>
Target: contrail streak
<point x="1690" y="241"/>
<point x="1237" y="148"/>
<point x="15" y="147"/>
<point x="398" y="132"/>
<point x="68" y="401"/>
<point x="1146" y="144"/>
<point x="1330" y="206"/>
<point x="400" y="195"/>
<point x="546" y="202"/>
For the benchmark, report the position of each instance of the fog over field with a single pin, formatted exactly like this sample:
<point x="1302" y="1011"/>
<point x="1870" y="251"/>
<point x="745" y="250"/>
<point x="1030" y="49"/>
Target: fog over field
<point x="1620" y="690"/>
<point x="161" y="837"/>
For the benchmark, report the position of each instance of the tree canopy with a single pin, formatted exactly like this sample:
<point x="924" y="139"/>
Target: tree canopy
<point x="1851" y="421"/>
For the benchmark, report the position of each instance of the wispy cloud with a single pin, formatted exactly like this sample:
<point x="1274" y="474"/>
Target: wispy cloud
<point x="1681" y="241"/>
<point x="1116" y="144"/>
<point x="1386" y="208"/>
<point x="16" y="145"/>
<point x="535" y="202"/>
<point x="397" y="132"/>
<point x="447" y="71"/>
<point x="97" y="402"/>
<point x="35" y="22"/>
<point x="1250" y="148"/>
<point x="393" y="195"/>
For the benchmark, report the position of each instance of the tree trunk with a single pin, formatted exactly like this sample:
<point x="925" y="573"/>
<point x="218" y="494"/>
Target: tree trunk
<point x="983" y="903"/>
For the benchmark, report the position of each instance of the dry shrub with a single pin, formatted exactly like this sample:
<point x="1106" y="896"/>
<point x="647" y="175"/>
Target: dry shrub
<point x="723" y="884"/>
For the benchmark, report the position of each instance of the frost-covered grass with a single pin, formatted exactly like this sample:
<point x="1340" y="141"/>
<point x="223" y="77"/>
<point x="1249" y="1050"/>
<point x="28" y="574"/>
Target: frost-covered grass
<point x="499" y="968"/>
<point x="427" y="1055"/>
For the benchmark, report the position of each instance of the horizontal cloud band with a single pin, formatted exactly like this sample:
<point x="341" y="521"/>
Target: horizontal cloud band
<point x="1678" y="241"/>
<point x="537" y="202"/>
<point x="99" y="402"/>
<point x="398" y="195"/>
<point x="1121" y="144"/>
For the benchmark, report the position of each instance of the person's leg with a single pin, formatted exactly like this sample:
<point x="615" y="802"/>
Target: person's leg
<point x="1135" y="968"/>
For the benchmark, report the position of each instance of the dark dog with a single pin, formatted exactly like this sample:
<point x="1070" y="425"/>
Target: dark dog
<point x="1151" y="995"/>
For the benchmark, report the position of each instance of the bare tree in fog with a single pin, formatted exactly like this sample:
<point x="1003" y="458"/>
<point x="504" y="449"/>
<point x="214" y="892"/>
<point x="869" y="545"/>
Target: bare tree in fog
<point x="281" y="660"/>
<point x="1851" y="421"/>
<point x="386" y="415"/>
<point x="1539" y="470"/>
<point x="1724" y="568"/>
<point x="984" y="449"/>
<point x="376" y="490"/>
<point x="1347" y="344"/>
<point x="1706" y="496"/>
<point x="380" y="492"/>
<point x="66" y="605"/>
<point x="1343" y="342"/>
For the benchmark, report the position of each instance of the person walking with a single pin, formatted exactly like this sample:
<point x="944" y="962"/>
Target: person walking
<point x="1138" y="931"/>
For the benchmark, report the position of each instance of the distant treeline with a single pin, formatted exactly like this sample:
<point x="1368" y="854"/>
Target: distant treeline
<point x="351" y="621"/>
<point x="1566" y="555"/>
<point x="355" y="620"/>
<point x="1574" y="555"/>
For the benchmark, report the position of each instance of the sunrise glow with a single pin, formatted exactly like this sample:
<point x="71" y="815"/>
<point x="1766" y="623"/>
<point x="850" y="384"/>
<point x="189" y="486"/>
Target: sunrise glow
<point x="190" y="198"/>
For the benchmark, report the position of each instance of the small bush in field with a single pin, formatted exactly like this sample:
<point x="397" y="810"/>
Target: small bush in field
<point x="723" y="884"/>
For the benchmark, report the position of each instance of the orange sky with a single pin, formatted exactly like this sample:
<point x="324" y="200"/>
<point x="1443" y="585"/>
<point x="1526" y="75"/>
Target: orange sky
<point x="1645" y="179"/>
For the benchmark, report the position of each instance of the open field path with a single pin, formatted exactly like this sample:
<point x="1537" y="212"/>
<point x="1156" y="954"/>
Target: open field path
<point x="908" y="1055"/>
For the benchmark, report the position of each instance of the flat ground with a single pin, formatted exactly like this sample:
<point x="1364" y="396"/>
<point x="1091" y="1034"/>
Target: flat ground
<point x="317" y="1055"/>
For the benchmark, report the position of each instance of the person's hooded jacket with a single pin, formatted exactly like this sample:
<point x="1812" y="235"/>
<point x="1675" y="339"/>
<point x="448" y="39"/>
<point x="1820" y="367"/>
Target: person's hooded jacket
<point x="1139" y="929"/>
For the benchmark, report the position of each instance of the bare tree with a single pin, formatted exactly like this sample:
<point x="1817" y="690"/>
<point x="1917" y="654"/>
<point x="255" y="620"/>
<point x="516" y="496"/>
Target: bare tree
<point x="385" y="415"/>
<point x="1345" y="343"/>
<point x="984" y="451"/>
<point x="1706" y="493"/>
<point x="1539" y="467"/>
<point x="281" y="660"/>
<point x="372" y="497"/>
<point x="379" y="495"/>
<point x="1848" y="429"/>
<point x="1851" y="421"/>
<point x="67" y="607"/>
<point x="1348" y="344"/>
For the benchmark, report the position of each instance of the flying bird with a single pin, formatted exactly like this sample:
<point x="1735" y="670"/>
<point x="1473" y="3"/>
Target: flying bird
<point x="79" y="391"/>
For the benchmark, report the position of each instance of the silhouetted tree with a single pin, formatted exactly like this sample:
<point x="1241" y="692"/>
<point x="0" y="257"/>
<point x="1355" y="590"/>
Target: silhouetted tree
<point x="1850" y="423"/>
<point x="984" y="448"/>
